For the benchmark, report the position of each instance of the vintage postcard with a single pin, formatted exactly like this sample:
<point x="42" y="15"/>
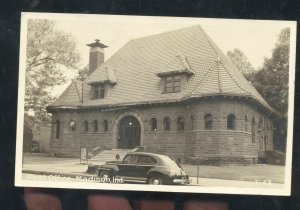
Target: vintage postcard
<point x="168" y="104"/>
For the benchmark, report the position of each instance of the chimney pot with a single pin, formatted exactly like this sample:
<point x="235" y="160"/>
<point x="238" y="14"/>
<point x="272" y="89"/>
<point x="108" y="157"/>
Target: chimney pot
<point x="96" y="55"/>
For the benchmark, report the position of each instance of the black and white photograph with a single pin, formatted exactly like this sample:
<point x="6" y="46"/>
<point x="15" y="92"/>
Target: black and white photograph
<point x="172" y="104"/>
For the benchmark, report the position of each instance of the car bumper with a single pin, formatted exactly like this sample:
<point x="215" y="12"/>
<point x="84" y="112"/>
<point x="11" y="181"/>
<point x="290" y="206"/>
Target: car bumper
<point x="182" y="181"/>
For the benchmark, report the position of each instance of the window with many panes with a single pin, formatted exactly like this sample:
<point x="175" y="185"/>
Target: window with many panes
<point x="172" y="84"/>
<point x="99" y="91"/>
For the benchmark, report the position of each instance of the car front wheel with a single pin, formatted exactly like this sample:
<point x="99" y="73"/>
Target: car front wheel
<point x="155" y="180"/>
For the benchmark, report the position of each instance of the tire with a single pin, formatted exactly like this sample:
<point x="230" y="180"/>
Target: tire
<point x="155" y="180"/>
<point x="105" y="176"/>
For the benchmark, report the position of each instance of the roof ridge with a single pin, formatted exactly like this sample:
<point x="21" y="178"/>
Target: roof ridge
<point x="67" y="93"/>
<point x="219" y="81"/>
<point x="200" y="83"/>
<point x="210" y="42"/>
<point x="232" y="77"/>
<point x="78" y="93"/>
<point x="166" y="32"/>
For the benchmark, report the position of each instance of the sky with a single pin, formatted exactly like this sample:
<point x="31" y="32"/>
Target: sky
<point x="255" y="38"/>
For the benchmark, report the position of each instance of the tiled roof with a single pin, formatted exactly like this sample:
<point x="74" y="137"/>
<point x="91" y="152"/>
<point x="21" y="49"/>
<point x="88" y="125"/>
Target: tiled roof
<point x="137" y="64"/>
<point x="103" y="74"/>
<point x="177" y="64"/>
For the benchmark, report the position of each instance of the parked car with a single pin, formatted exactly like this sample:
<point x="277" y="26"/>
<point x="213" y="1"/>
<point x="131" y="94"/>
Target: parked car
<point x="143" y="167"/>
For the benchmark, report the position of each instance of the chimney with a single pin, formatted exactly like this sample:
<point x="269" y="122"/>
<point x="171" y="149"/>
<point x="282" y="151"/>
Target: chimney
<point x="96" y="55"/>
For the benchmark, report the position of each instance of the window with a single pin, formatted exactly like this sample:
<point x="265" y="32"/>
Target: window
<point x="72" y="126"/>
<point x="130" y="159"/>
<point x="105" y="125"/>
<point x="265" y="143"/>
<point x="192" y="122"/>
<point x="57" y="129"/>
<point x="246" y="123"/>
<point x="180" y="123"/>
<point x="167" y="124"/>
<point x="231" y="122"/>
<point x="253" y="129"/>
<point x="146" y="160"/>
<point x="153" y="124"/>
<point x="99" y="91"/>
<point x="86" y="126"/>
<point x="208" y="120"/>
<point x="95" y="125"/>
<point x="260" y="124"/>
<point x="172" y="84"/>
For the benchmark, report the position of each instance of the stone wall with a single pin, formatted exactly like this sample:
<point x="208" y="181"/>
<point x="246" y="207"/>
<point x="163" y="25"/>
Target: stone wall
<point x="193" y="143"/>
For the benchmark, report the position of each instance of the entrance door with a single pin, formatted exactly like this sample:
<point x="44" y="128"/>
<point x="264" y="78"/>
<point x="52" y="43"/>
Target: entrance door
<point x="129" y="133"/>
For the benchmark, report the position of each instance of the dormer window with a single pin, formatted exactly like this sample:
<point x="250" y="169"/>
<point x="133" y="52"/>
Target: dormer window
<point x="172" y="84"/>
<point x="99" y="91"/>
<point x="174" y="74"/>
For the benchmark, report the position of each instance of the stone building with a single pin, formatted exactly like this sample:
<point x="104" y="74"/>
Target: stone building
<point x="174" y="93"/>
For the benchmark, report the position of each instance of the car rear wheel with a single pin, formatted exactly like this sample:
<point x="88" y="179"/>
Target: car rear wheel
<point x="105" y="176"/>
<point x="155" y="180"/>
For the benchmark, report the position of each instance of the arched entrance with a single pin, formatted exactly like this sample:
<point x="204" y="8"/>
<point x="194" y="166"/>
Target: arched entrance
<point x="129" y="133"/>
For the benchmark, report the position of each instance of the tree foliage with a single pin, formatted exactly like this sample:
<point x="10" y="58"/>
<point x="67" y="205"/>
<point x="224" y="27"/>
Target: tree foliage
<point x="49" y="52"/>
<point x="272" y="80"/>
<point x="83" y="73"/>
<point x="240" y="60"/>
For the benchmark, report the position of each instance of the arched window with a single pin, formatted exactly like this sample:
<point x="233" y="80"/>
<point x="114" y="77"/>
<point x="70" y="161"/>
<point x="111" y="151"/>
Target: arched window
<point x="260" y="124"/>
<point x="95" y="125"/>
<point x="57" y="129"/>
<point x="231" y="122"/>
<point x="253" y="129"/>
<point x="246" y="123"/>
<point x="208" y="122"/>
<point x="105" y="125"/>
<point x="167" y="124"/>
<point x="265" y="143"/>
<point x="86" y="126"/>
<point x="153" y="124"/>
<point x="72" y="126"/>
<point x="192" y="122"/>
<point x="180" y="123"/>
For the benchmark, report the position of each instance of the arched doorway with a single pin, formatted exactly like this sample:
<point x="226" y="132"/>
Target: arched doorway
<point x="129" y="133"/>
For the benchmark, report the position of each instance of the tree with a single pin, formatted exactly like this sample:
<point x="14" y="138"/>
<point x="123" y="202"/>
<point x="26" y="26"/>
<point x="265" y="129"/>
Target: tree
<point x="240" y="60"/>
<point x="83" y="73"/>
<point x="49" y="52"/>
<point x="272" y="82"/>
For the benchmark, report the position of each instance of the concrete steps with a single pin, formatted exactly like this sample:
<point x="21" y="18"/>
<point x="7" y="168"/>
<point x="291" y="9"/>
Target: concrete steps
<point x="110" y="155"/>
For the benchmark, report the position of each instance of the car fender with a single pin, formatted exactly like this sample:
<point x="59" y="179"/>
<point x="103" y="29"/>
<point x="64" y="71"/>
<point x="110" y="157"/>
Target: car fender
<point x="111" y="168"/>
<point x="160" y="170"/>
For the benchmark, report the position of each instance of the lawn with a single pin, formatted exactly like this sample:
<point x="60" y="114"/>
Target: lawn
<point x="259" y="172"/>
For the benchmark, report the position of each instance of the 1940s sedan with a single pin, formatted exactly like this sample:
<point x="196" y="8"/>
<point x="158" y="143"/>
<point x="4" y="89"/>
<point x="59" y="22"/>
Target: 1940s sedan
<point x="143" y="167"/>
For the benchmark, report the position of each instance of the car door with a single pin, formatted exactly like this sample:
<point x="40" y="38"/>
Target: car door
<point x="127" y="168"/>
<point x="145" y="164"/>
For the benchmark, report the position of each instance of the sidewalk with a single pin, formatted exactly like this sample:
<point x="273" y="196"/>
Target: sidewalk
<point x="72" y="168"/>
